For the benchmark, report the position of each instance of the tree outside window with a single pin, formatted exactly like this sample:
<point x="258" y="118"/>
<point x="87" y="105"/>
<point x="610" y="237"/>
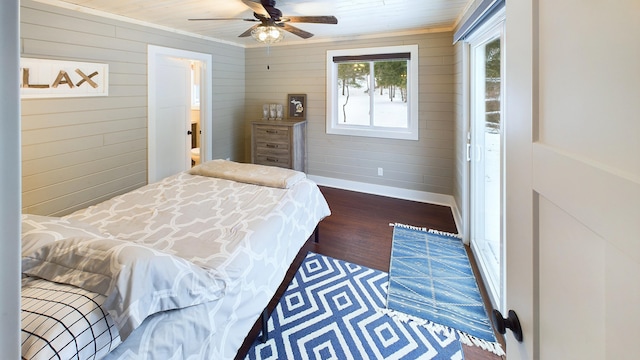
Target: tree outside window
<point x="373" y="92"/>
<point x="384" y="106"/>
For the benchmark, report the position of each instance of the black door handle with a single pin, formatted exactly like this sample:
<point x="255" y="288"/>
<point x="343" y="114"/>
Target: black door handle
<point x="189" y="132"/>
<point x="502" y="324"/>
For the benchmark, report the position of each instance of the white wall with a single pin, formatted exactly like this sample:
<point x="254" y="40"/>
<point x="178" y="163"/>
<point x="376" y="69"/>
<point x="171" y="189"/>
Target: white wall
<point x="425" y="165"/>
<point x="78" y="151"/>
<point x="9" y="181"/>
<point x="460" y="114"/>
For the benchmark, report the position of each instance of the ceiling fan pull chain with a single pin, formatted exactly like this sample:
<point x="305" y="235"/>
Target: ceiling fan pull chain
<point x="268" y="55"/>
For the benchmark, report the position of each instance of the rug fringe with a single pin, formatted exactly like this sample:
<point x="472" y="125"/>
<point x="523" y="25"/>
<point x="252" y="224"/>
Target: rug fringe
<point x="469" y="340"/>
<point x="465" y="338"/>
<point x="408" y="226"/>
<point x="437" y="232"/>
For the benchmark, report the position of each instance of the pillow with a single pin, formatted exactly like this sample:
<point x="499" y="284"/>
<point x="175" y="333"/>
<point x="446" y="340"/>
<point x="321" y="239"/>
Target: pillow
<point x="138" y="281"/>
<point x="40" y="230"/>
<point x="249" y="173"/>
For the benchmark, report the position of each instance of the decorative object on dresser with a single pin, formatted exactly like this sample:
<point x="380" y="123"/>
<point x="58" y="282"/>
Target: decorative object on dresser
<point x="297" y="105"/>
<point x="272" y="111"/>
<point x="279" y="143"/>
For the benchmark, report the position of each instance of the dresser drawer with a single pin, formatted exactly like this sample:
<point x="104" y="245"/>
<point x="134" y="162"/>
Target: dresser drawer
<point x="272" y="147"/>
<point x="273" y="160"/>
<point x="272" y="133"/>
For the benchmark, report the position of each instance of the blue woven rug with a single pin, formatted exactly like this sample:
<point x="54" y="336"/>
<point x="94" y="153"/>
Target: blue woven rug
<point x="431" y="281"/>
<point x="332" y="310"/>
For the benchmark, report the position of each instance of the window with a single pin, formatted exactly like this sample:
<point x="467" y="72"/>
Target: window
<point x="373" y="92"/>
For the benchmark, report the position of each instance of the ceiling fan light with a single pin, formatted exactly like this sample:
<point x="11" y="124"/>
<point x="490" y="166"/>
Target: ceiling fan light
<point x="267" y="34"/>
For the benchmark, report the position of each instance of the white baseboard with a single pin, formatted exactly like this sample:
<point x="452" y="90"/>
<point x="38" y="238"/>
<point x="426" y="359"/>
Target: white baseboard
<point x="389" y="191"/>
<point x="457" y="217"/>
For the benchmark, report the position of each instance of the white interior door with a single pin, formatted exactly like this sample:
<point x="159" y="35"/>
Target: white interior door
<point x="573" y="178"/>
<point x="487" y="156"/>
<point x="173" y="117"/>
<point x="170" y="107"/>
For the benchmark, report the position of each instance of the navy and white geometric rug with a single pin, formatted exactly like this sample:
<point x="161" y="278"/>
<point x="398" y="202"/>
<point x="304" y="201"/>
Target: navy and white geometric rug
<point x="332" y="310"/>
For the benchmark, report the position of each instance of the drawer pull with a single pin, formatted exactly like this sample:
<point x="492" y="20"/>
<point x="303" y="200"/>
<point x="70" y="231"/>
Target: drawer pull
<point x="272" y="146"/>
<point x="271" y="131"/>
<point x="270" y="159"/>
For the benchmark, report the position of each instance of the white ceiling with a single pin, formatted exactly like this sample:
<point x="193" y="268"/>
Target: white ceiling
<point x="356" y="18"/>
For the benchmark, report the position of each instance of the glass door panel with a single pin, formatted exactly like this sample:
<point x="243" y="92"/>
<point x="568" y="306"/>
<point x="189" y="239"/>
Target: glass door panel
<point x="486" y="164"/>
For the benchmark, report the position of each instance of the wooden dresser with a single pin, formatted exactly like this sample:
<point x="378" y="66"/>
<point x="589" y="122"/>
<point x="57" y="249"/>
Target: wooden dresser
<point x="279" y="143"/>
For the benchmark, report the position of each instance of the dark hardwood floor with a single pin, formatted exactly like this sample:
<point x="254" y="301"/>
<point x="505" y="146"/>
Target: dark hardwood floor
<point x="358" y="231"/>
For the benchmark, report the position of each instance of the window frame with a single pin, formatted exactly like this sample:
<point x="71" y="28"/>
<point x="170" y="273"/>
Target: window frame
<point x="408" y="133"/>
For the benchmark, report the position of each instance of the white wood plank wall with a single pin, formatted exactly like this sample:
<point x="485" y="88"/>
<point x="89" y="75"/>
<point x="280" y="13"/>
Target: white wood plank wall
<point x="460" y="189"/>
<point x="79" y="151"/>
<point x="424" y="165"/>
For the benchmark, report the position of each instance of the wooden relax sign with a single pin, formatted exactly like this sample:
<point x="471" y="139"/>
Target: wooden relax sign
<point x="42" y="78"/>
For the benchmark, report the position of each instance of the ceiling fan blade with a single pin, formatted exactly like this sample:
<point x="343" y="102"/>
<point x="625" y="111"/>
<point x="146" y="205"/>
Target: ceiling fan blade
<point x="311" y="19"/>
<point x="257" y="7"/>
<point x="210" y="19"/>
<point x="296" y="31"/>
<point x="248" y="32"/>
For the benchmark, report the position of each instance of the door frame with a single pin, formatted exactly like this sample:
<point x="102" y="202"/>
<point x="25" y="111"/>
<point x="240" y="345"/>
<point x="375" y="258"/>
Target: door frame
<point x="206" y="102"/>
<point x="482" y="34"/>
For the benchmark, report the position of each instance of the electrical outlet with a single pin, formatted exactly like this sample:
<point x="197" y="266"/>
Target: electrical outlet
<point x="380" y="172"/>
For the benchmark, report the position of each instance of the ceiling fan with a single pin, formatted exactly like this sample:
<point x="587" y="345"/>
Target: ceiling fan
<point x="265" y="12"/>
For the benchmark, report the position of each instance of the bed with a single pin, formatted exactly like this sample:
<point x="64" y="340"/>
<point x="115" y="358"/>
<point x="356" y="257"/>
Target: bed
<point x="178" y="269"/>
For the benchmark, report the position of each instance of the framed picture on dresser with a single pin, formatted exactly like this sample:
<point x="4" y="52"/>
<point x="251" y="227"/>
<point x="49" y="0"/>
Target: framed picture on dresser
<point x="297" y="106"/>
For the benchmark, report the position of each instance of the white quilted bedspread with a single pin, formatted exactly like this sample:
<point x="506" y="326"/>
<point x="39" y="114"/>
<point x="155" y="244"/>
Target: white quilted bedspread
<point x="214" y="223"/>
<point x="249" y="234"/>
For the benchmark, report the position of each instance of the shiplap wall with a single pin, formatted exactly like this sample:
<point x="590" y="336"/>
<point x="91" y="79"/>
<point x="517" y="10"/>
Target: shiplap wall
<point x="461" y="173"/>
<point x="425" y="165"/>
<point x="79" y="151"/>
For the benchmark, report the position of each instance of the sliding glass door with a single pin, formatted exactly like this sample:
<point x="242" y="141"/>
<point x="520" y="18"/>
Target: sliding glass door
<point x="486" y="152"/>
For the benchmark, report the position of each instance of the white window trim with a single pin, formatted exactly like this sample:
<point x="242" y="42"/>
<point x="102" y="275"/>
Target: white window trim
<point x="408" y="133"/>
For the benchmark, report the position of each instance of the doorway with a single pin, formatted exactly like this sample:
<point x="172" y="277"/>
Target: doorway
<point x="487" y="157"/>
<point x="195" y="132"/>
<point x="179" y="110"/>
